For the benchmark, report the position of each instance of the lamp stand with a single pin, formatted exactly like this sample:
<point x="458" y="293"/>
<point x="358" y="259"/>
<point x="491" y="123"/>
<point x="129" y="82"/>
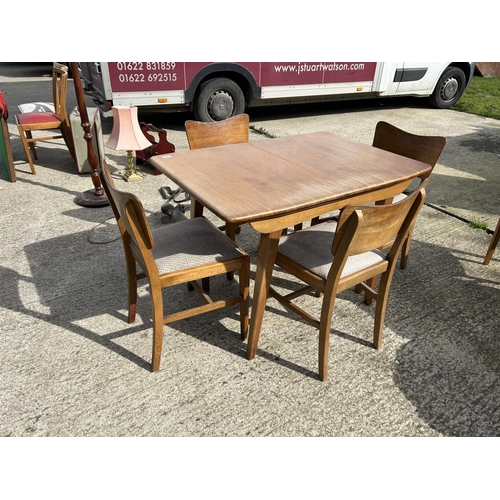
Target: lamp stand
<point x="94" y="197"/>
<point x="131" y="174"/>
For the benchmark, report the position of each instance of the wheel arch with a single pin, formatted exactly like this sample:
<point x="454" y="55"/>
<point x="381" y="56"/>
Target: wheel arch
<point x="239" y="74"/>
<point x="466" y="67"/>
<point x="447" y="90"/>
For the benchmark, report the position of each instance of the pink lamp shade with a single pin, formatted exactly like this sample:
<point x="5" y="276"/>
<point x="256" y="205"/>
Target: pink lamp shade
<point x="126" y="134"/>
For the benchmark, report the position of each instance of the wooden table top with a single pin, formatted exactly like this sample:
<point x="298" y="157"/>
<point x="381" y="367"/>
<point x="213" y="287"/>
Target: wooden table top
<point x="268" y="178"/>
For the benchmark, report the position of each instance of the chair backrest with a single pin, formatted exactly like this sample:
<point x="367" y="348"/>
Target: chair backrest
<point x="233" y="130"/>
<point x="59" y="89"/>
<point x="426" y="149"/>
<point x="129" y="213"/>
<point x="362" y="228"/>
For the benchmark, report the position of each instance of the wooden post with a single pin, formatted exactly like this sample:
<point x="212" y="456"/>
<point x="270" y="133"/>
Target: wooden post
<point x="94" y="197"/>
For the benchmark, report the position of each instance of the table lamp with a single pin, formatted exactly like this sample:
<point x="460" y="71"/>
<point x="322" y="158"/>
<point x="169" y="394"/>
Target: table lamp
<point x="127" y="135"/>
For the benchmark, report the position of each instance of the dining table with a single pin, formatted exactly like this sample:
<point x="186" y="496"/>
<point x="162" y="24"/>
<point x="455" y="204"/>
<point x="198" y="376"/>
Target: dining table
<point x="278" y="183"/>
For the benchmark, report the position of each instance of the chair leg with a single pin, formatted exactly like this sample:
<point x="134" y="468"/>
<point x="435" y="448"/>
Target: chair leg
<point x="379" y="324"/>
<point x="244" y="277"/>
<point x="132" y="286"/>
<point x="372" y="283"/>
<point x="405" y="252"/>
<point x="157" y="306"/>
<point x="27" y="146"/>
<point x="493" y="244"/>
<point x="68" y="139"/>
<point x="380" y="309"/>
<point x="324" y="334"/>
<point x="205" y="284"/>
<point x="31" y="143"/>
<point x="132" y="300"/>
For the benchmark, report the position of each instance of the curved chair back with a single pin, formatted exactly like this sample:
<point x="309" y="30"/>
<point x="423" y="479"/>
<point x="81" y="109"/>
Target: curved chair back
<point x="424" y="148"/>
<point x="379" y="224"/>
<point x="60" y="89"/>
<point x="128" y="211"/>
<point x="233" y="130"/>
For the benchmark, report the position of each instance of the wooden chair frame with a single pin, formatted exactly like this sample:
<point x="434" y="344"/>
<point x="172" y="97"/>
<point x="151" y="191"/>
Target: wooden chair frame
<point x="138" y="243"/>
<point x="234" y="130"/>
<point x="360" y="229"/>
<point x="29" y="122"/>
<point x="424" y="148"/>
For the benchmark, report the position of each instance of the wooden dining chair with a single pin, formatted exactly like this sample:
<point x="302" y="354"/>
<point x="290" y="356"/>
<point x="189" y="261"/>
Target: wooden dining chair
<point x="233" y="130"/>
<point x="493" y="244"/>
<point x="189" y="250"/>
<point x="27" y="123"/>
<point x="424" y="148"/>
<point x="333" y="256"/>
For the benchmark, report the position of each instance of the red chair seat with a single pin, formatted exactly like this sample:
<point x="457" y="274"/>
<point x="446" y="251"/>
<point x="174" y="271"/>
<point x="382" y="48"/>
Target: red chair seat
<point x="37" y="118"/>
<point x="49" y="120"/>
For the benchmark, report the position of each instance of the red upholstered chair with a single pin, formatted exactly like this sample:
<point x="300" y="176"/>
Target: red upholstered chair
<point x="29" y="122"/>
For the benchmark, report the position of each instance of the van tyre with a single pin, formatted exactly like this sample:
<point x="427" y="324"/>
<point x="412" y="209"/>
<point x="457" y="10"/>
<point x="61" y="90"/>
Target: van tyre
<point x="449" y="88"/>
<point x="218" y="99"/>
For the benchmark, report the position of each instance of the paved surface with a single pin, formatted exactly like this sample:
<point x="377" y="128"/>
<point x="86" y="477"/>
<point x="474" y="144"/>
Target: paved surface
<point x="72" y="366"/>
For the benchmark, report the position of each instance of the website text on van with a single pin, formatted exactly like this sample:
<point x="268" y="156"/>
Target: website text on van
<point x="217" y="90"/>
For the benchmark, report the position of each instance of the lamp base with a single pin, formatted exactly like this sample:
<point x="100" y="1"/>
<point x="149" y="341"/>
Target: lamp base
<point x="131" y="176"/>
<point x="91" y="200"/>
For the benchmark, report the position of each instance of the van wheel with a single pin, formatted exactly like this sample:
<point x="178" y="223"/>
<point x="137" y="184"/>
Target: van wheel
<point x="449" y="88"/>
<point x="218" y="99"/>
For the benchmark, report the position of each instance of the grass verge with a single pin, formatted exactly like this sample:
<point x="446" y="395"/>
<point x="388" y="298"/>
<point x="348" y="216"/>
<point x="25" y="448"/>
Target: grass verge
<point x="482" y="97"/>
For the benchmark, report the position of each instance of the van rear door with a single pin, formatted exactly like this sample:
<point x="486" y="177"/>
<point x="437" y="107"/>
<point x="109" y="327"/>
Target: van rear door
<point x="91" y="72"/>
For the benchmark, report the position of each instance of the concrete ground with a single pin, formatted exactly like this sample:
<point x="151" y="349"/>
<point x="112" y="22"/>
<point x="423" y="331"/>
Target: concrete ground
<point x="72" y="366"/>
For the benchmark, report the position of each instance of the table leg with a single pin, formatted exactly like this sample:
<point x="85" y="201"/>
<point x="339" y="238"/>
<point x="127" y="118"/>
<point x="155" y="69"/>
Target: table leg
<point x="268" y="246"/>
<point x="196" y="208"/>
<point x="197" y="211"/>
<point x="231" y="233"/>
